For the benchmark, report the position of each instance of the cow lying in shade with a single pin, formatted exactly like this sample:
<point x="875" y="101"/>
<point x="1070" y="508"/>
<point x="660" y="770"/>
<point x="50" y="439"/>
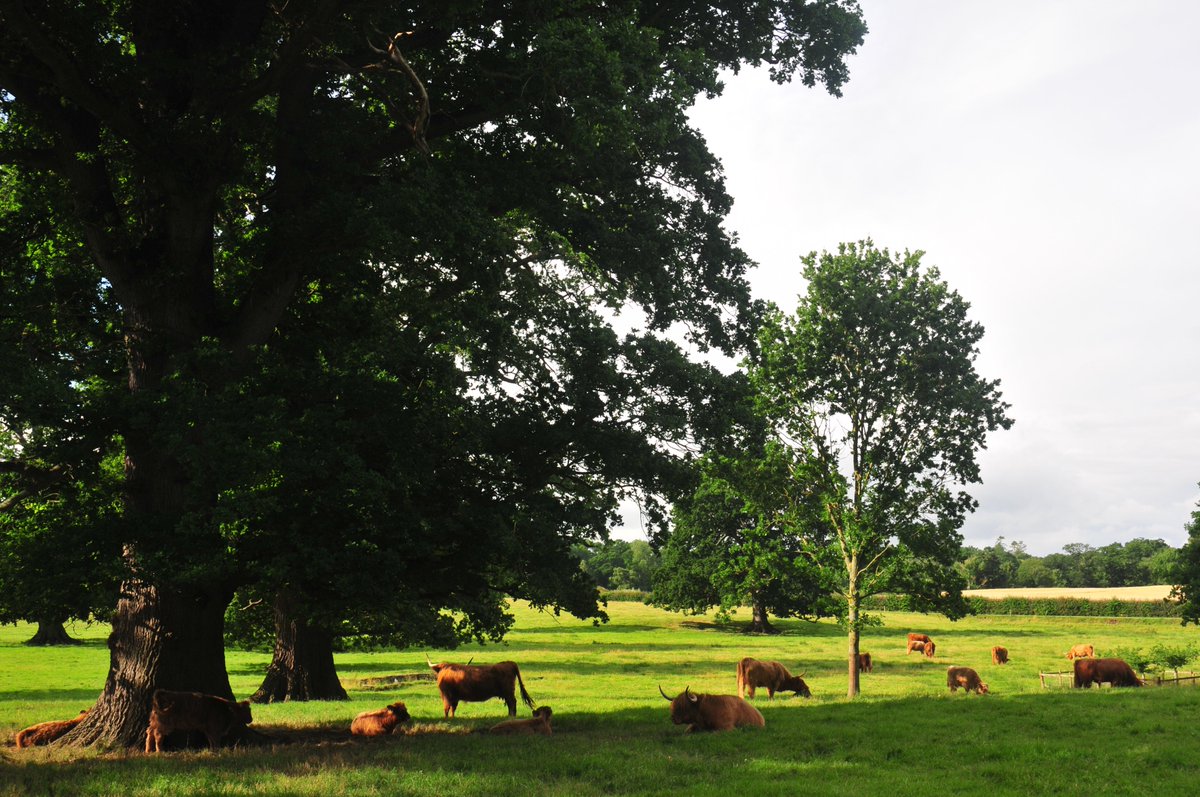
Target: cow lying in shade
<point x="752" y="673"/>
<point x="47" y="732"/>
<point x="966" y="678"/>
<point x="1098" y="671"/>
<point x="712" y="712"/>
<point x="538" y="723"/>
<point x="380" y="722"/>
<point x="213" y="716"/>
<point x="999" y="655"/>
<point x="1080" y="651"/>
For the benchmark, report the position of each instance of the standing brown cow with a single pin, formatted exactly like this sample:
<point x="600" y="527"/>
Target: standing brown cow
<point x="1080" y="651"/>
<point x="464" y="683"/>
<point x="538" y="723"/>
<point x="864" y="662"/>
<point x="712" y="712"/>
<point x="1098" y="671"/>
<point x="47" y="732"/>
<point x="193" y="711"/>
<point x="752" y="673"/>
<point x="999" y="655"/>
<point x="966" y="678"/>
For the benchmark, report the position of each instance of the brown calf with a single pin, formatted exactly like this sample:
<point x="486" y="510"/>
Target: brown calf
<point x="712" y="712"/>
<point x="864" y="662"/>
<point x="1080" y="651"/>
<point x="752" y="673"/>
<point x="214" y="716"/>
<point x="47" y="732"/>
<point x="999" y="655"/>
<point x="966" y="678"/>
<point x="380" y="722"/>
<point x="463" y="683"/>
<point x="539" y="723"/>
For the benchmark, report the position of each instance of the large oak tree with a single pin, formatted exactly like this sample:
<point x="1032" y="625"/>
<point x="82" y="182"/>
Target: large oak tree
<point x="226" y="165"/>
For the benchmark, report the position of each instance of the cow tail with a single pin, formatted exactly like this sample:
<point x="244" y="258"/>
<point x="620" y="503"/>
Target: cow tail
<point x="524" y="695"/>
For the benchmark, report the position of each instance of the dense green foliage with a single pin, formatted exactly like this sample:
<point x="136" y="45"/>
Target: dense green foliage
<point x="1187" y="572"/>
<point x="1135" y="563"/>
<point x="613" y="735"/>
<point x="619" y="564"/>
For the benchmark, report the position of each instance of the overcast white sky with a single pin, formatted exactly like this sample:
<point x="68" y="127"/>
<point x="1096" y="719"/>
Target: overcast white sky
<point x="1045" y="154"/>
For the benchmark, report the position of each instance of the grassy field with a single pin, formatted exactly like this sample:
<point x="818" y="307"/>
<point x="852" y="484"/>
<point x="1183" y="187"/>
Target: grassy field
<point x="905" y="735"/>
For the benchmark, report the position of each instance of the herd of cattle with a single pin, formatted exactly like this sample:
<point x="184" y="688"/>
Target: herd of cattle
<point x="218" y="718"/>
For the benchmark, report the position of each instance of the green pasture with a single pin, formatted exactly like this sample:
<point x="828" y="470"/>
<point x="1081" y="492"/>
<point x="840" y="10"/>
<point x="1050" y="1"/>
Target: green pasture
<point x="905" y="735"/>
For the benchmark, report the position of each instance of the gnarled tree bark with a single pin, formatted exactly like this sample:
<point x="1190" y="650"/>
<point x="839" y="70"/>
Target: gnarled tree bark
<point x="302" y="665"/>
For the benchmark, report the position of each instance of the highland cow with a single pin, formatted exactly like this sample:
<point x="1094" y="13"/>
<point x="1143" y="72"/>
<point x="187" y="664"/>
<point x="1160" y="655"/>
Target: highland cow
<point x="379" y="722"/>
<point x="47" y="732"/>
<point x="966" y="678"/>
<point x="999" y="655"/>
<point x="752" y="673"/>
<point x="213" y="716"/>
<point x="463" y="683"/>
<point x="1098" y="671"/>
<point x="538" y="723"/>
<point x="712" y="712"/>
<point x="1081" y="651"/>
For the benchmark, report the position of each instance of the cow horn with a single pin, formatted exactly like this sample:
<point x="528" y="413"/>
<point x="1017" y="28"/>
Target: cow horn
<point x="661" y="692"/>
<point x="470" y="660"/>
<point x="801" y="675"/>
<point x="687" y="690"/>
<point x="430" y="662"/>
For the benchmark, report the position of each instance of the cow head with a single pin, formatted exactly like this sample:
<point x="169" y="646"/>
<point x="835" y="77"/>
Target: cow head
<point x="543" y="712"/>
<point x="242" y="712"/>
<point x="983" y="690"/>
<point x="796" y="684"/>
<point x="399" y="711"/>
<point x="685" y="707"/>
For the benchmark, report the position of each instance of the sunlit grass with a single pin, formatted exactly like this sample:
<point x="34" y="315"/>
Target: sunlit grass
<point x="905" y="735"/>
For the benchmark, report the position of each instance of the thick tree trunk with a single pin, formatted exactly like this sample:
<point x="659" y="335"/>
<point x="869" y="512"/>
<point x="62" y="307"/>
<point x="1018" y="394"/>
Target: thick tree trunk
<point x="760" y="623"/>
<point x="852" y="622"/>
<point x="51" y="632"/>
<point x="160" y="640"/>
<point x="302" y="666"/>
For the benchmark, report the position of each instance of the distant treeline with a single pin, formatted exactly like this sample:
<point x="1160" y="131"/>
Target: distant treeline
<point x="622" y="565"/>
<point x="1135" y="563"/>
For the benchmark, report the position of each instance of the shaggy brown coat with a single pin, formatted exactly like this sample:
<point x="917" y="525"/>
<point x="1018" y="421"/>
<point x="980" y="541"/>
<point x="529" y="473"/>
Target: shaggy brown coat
<point x="752" y="673"/>
<point x="538" y="723"/>
<point x="379" y="722"/>
<point x="464" y="683"/>
<point x="214" y="716"/>
<point x="1080" y="651"/>
<point x="999" y="655"/>
<point x="47" y="732"/>
<point x="712" y="712"/>
<point x="864" y="662"/>
<point x="1098" y="671"/>
<point x="966" y="678"/>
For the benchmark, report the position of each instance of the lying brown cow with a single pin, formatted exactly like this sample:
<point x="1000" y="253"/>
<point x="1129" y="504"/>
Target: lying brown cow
<point x="752" y="673"/>
<point x="999" y="655"/>
<point x="464" y="683"/>
<point x="214" y="716"/>
<point x="1080" y="651"/>
<point x="864" y="662"/>
<point x="47" y="732"/>
<point x="966" y="678"/>
<point x="1098" y="671"/>
<point x="712" y="712"/>
<point x="539" y="723"/>
<point x="380" y="722"/>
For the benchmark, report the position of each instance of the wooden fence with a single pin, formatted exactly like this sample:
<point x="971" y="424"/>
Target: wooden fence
<point x="1059" y="680"/>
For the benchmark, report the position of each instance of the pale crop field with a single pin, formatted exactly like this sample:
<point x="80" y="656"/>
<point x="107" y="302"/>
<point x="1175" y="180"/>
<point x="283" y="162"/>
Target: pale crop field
<point x="905" y="735"/>
<point x="1151" y="593"/>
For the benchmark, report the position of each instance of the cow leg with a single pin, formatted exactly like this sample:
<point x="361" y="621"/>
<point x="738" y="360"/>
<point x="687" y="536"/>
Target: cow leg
<point x="150" y="745"/>
<point x="511" y="702"/>
<point x="749" y="692"/>
<point x="770" y="693"/>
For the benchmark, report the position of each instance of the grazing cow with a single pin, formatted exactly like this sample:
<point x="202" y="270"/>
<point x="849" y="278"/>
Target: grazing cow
<point x="1097" y="671"/>
<point x="538" y="723"/>
<point x="752" y="673"/>
<point x="47" y="732"/>
<point x="1080" y="651"/>
<point x="380" y="722"/>
<point x="927" y="647"/>
<point x="214" y="716"/>
<point x="966" y="678"/>
<point x="864" y="662"/>
<point x="999" y="655"/>
<point x="712" y="712"/>
<point x="464" y="683"/>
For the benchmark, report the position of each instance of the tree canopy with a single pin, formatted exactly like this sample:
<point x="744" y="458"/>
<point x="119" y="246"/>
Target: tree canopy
<point x="872" y="382"/>
<point x="363" y="260"/>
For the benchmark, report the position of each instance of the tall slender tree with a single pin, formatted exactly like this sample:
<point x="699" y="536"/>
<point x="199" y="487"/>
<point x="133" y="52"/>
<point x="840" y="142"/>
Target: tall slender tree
<point x="872" y="381"/>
